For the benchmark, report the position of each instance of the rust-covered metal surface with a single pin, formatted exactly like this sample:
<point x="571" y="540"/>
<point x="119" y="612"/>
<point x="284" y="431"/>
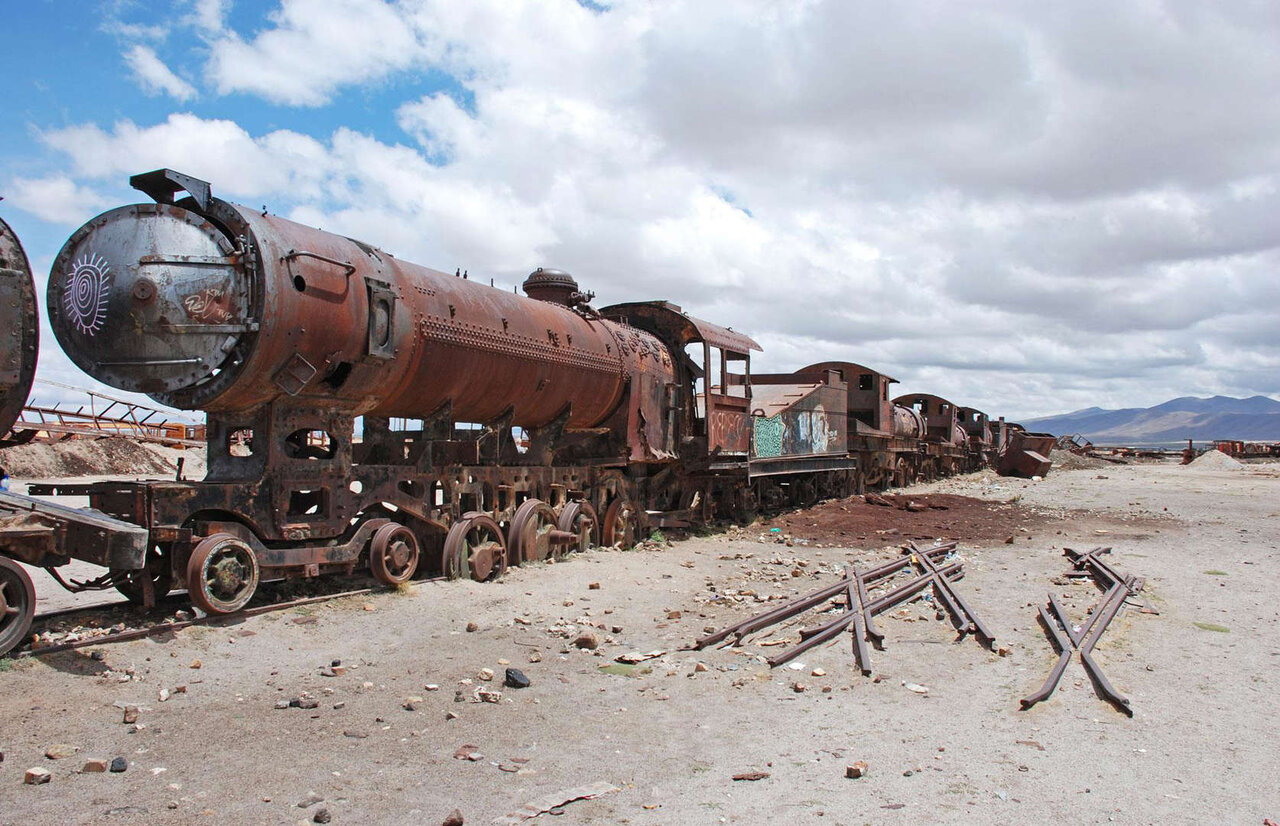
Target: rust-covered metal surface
<point x="1027" y="454"/>
<point x="19" y="328"/>
<point x="939" y="416"/>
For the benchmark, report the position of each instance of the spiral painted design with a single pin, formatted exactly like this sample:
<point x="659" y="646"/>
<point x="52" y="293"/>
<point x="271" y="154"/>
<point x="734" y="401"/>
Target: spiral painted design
<point x="84" y="299"/>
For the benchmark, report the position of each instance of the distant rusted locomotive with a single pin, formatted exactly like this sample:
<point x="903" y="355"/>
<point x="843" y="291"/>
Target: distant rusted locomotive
<point x="366" y="411"/>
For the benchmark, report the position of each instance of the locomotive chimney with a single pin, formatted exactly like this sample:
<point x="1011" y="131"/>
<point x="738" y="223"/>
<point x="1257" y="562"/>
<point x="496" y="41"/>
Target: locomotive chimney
<point x="555" y="286"/>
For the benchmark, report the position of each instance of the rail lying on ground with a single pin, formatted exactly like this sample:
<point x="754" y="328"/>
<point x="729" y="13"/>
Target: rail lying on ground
<point x="932" y="569"/>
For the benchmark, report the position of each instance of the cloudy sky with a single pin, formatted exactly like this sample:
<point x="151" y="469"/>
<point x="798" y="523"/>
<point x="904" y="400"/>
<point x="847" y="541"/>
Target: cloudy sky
<point x="1025" y="207"/>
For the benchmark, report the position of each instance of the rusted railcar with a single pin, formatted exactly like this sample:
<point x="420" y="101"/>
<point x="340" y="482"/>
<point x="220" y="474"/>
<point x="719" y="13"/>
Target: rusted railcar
<point x="977" y="426"/>
<point x="887" y="439"/>
<point x="946" y="442"/>
<point x="1027" y="454"/>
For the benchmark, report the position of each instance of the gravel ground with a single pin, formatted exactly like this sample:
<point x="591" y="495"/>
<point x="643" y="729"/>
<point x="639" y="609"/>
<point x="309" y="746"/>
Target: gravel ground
<point x="669" y="736"/>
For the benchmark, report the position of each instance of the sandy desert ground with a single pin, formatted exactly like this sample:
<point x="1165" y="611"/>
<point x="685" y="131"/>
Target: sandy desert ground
<point x="394" y="723"/>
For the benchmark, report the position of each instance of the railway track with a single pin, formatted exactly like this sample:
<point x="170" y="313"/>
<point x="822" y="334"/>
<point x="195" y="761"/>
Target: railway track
<point x="159" y="620"/>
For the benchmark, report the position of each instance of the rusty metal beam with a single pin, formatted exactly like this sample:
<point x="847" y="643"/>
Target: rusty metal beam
<point x="856" y="607"/>
<point x="1068" y="641"/>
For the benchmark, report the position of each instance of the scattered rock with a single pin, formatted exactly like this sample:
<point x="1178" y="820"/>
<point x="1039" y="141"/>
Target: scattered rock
<point x="488" y="695"/>
<point x="130" y="714"/>
<point x="587" y="640"/>
<point x="1004" y="650"/>
<point x="856" y="770"/>
<point x="674" y="615"/>
<point x="454" y="818"/>
<point x="515" y="678"/>
<point x="799" y="687"/>
<point x="60" y="750"/>
<point x="700" y="668"/>
<point x="472" y="627"/>
<point x="917" y="688"/>
<point x="751" y="776"/>
<point x="593" y="586"/>
<point x="818" y="672"/>
<point x="36" y="775"/>
<point x="282" y="703"/>
<point x="310" y="800"/>
<point x="467" y="752"/>
<point x="164" y="695"/>
<point x="119" y="764"/>
<point x="535" y="656"/>
<point x="196" y="664"/>
<point x="321" y="816"/>
<point x="485" y="674"/>
<point x="633" y="657"/>
<point x="411" y="703"/>
<point x="94" y="766"/>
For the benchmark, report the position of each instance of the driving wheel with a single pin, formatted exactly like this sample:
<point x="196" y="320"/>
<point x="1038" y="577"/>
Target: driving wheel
<point x="619" y="526"/>
<point x="529" y="537"/>
<point x="475" y="547"/>
<point x="580" y="518"/>
<point x="393" y="554"/>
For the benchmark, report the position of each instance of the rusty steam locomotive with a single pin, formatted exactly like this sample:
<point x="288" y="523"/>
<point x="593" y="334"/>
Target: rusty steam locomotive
<point x="366" y="411"/>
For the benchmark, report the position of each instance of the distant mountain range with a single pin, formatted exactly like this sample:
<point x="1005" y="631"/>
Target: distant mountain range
<point x="1221" y="417"/>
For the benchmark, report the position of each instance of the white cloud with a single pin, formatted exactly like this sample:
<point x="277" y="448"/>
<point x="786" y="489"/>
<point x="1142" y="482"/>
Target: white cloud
<point x="312" y="49"/>
<point x="154" y="77"/>
<point x="1027" y="208"/>
<point x="56" y="199"/>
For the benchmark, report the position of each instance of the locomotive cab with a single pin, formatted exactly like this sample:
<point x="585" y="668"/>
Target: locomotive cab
<point x="711" y="397"/>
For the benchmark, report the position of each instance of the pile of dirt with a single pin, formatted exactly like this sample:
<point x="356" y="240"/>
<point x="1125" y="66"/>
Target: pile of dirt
<point x="1216" y="460"/>
<point x="875" y="521"/>
<point x="84" y="457"/>
<point x="1066" y="460"/>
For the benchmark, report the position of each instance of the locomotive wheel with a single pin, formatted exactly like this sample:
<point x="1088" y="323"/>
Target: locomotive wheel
<point x="619" y="526"/>
<point x="580" y="518"/>
<point x="529" y="537"/>
<point x="475" y="548"/>
<point x="222" y="574"/>
<point x="805" y="493"/>
<point x="158" y="566"/>
<point x="393" y="554"/>
<point x="17" y="604"/>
